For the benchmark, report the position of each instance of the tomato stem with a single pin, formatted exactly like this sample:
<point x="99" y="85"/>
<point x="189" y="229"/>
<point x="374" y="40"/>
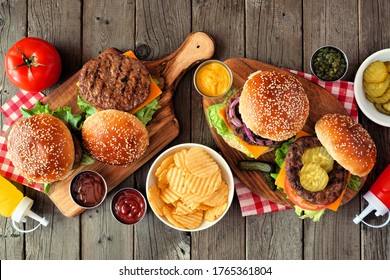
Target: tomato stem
<point x="27" y="61"/>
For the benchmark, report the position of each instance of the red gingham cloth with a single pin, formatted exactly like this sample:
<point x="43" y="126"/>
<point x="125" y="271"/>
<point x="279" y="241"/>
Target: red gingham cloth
<point x="11" y="110"/>
<point x="250" y="203"/>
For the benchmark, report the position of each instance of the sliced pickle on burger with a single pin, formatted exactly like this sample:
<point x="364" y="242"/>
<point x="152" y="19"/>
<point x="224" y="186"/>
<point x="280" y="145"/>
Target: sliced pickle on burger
<point x="313" y="177"/>
<point x="320" y="156"/>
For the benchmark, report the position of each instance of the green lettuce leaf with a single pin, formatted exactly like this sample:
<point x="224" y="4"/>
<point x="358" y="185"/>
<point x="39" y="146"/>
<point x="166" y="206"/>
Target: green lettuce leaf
<point x="39" y="108"/>
<point x="86" y="159"/>
<point x="146" y="113"/>
<point x="46" y="187"/>
<point x="84" y="106"/>
<point x="217" y="122"/>
<point x="354" y="182"/>
<point x="314" y="215"/>
<point x="65" y="113"/>
<point x="280" y="156"/>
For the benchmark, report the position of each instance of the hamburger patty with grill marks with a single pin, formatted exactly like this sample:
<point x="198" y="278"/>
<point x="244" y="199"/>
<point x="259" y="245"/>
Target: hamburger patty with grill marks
<point x="114" y="81"/>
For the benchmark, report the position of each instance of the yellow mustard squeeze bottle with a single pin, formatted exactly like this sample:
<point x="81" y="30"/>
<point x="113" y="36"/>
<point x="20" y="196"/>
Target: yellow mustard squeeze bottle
<point x="10" y="197"/>
<point x="13" y="205"/>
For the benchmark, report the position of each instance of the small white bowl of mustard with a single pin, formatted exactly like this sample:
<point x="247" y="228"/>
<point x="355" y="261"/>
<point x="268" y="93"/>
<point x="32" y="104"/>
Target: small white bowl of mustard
<point x="213" y="78"/>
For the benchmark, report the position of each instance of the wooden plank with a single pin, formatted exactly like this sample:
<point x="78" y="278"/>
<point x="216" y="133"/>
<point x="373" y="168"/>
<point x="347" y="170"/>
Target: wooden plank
<point x="273" y="35"/>
<point x="332" y="22"/>
<point x="59" y="23"/>
<point x="224" y="21"/>
<point x="373" y="19"/>
<point x="13" y="17"/>
<point x="163" y="27"/>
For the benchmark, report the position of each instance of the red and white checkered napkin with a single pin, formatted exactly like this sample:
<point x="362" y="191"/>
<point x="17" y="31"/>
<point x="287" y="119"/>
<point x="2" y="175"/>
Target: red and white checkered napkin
<point x="11" y="110"/>
<point x="252" y="204"/>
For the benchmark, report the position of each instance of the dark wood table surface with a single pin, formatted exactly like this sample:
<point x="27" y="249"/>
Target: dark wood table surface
<point x="283" y="33"/>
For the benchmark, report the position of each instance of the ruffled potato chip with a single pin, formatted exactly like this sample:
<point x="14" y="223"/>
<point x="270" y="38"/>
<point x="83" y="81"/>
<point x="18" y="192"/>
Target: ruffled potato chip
<point x="189" y="184"/>
<point x="155" y="200"/>
<point x="214" y="213"/>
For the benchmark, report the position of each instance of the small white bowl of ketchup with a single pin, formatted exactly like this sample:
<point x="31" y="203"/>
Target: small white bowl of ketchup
<point x="213" y="78"/>
<point x="128" y="206"/>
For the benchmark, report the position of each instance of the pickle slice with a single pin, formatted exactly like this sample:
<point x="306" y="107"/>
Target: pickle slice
<point x="376" y="72"/>
<point x="313" y="178"/>
<point x="320" y="156"/>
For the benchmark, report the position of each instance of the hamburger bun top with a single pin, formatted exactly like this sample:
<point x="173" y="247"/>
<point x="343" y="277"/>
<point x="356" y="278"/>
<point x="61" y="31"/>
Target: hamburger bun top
<point x="273" y="105"/>
<point x="41" y="148"/>
<point x="347" y="142"/>
<point x="115" y="137"/>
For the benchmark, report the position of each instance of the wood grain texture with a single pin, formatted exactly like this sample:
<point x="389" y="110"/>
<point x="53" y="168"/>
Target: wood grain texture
<point x="12" y="29"/>
<point x="227" y="25"/>
<point x="335" y="23"/>
<point x="273" y="35"/>
<point x="50" y="21"/>
<point x="163" y="28"/>
<point x="372" y="26"/>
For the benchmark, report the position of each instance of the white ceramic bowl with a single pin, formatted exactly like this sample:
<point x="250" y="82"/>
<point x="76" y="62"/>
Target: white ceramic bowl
<point x="227" y="176"/>
<point x="366" y="106"/>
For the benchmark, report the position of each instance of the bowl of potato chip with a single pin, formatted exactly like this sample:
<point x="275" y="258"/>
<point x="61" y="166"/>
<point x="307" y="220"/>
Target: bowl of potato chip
<point x="190" y="187"/>
<point x="372" y="87"/>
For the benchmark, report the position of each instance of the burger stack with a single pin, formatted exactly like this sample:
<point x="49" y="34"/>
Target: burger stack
<point x="44" y="149"/>
<point x="268" y="113"/>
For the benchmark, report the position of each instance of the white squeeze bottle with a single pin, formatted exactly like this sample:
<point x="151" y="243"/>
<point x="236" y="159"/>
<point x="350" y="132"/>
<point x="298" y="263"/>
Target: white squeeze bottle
<point x="13" y="205"/>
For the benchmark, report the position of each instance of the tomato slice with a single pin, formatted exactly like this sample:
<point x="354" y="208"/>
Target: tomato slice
<point x="299" y="201"/>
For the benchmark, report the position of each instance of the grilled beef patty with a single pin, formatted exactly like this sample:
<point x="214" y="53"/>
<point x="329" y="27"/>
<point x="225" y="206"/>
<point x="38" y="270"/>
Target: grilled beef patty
<point x="338" y="177"/>
<point x="114" y="81"/>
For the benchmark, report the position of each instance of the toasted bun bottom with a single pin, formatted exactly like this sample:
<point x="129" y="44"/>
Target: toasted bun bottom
<point x="41" y="148"/>
<point x="347" y="142"/>
<point x="273" y="105"/>
<point x="115" y="137"/>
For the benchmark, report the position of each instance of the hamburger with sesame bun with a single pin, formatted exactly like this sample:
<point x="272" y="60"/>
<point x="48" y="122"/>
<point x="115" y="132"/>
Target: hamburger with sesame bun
<point x="115" y="137"/>
<point x="318" y="169"/>
<point x="271" y="107"/>
<point x="43" y="149"/>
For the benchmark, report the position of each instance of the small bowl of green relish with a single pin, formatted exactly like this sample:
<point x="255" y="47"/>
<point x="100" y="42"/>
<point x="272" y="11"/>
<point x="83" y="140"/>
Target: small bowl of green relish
<point x="329" y="63"/>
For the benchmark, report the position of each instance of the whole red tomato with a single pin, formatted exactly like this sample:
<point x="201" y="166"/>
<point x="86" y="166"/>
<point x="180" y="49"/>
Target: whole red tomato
<point x="33" y="64"/>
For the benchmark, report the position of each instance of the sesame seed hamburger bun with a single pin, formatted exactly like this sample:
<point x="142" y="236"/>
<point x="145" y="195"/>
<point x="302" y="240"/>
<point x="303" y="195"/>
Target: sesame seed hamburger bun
<point x="347" y="142"/>
<point x="273" y="105"/>
<point x="41" y="148"/>
<point x="115" y="137"/>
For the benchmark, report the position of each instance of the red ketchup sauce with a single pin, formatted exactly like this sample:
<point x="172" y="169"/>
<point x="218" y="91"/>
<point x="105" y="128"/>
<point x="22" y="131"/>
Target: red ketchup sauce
<point x="88" y="189"/>
<point x="128" y="206"/>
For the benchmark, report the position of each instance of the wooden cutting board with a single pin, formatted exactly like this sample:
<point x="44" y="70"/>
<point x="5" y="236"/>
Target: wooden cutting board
<point x="321" y="103"/>
<point x="164" y="127"/>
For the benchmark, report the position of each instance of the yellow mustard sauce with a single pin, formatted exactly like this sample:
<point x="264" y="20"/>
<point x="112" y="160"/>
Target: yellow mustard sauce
<point x="212" y="79"/>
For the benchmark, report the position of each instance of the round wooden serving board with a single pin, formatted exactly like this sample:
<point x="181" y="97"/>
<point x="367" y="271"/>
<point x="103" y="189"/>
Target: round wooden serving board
<point x="321" y="102"/>
<point x="163" y="128"/>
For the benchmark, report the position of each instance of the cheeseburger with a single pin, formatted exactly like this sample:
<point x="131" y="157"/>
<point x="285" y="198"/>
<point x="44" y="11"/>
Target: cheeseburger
<point x="42" y="148"/>
<point x="317" y="169"/>
<point x="271" y="107"/>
